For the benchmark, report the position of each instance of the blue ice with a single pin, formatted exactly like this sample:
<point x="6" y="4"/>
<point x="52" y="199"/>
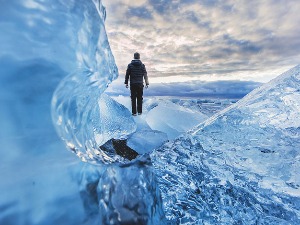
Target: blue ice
<point x="238" y="167"/>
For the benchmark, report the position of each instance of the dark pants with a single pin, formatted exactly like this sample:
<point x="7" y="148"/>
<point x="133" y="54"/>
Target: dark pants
<point x="136" y="97"/>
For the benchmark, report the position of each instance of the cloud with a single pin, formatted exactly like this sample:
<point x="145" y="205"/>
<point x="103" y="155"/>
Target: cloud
<point x="140" y="12"/>
<point x="206" y="38"/>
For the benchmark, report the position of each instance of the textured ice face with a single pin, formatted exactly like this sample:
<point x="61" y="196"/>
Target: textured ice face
<point x="83" y="118"/>
<point x="43" y="42"/>
<point x="130" y="195"/>
<point x="65" y="37"/>
<point x="262" y="132"/>
<point x="145" y="141"/>
<point x="39" y="47"/>
<point x="61" y="45"/>
<point x="173" y="119"/>
<point x="61" y="32"/>
<point x="241" y="165"/>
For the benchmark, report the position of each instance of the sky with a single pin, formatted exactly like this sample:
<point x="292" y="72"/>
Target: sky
<point x="205" y="42"/>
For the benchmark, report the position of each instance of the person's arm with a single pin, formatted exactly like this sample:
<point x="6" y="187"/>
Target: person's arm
<point x="145" y="76"/>
<point x="127" y="76"/>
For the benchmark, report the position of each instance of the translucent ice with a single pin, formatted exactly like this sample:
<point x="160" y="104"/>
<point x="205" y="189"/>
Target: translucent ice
<point x="77" y="101"/>
<point x="241" y="165"/>
<point x="130" y="195"/>
<point x="121" y="195"/>
<point x="41" y="43"/>
<point x="59" y="49"/>
<point x="52" y="39"/>
<point x="173" y="119"/>
<point x="85" y="118"/>
<point x="145" y="141"/>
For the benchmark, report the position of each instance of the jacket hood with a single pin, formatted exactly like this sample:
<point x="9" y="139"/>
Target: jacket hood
<point x="136" y="62"/>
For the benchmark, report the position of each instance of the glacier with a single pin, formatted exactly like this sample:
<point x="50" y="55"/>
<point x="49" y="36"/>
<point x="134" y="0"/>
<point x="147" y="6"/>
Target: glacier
<point x="241" y="165"/>
<point x="236" y="166"/>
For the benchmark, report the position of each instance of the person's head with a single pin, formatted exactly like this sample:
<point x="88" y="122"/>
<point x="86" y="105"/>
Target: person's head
<point x="136" y="55"/>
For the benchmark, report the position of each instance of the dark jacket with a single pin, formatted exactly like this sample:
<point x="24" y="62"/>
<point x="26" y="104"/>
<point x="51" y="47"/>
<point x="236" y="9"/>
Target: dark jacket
<point x="136" y="71"/>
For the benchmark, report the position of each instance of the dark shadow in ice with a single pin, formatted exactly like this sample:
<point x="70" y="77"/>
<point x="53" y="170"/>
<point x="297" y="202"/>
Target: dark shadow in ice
<point x="119" y="147"/>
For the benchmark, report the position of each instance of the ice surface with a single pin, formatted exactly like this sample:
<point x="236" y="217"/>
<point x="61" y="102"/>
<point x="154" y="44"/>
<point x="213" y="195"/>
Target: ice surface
<point x="130" y="194"/>
<point x="86" y="120"/>
<point x="115" y="120"/>
<point x="160" y="121"/>
<point x="166" y="116"/>
<point x="121" y="195"/>
<point x="77" y="101"/>
<point x="239" y="166"/>
<point x="173" y="119"/>
<point x="145" y="141"/>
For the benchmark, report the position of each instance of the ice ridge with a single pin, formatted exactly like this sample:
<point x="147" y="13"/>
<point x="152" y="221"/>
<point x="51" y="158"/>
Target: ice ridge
<point x="83" y="116"/>
<point x="240" y="166"/>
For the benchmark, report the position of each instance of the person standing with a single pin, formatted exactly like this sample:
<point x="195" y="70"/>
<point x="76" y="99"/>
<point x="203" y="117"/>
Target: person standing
<point x="136" y="73"/>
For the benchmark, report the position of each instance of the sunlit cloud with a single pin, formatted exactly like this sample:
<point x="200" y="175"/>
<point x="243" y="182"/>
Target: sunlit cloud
<point x="209" y="40"/>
